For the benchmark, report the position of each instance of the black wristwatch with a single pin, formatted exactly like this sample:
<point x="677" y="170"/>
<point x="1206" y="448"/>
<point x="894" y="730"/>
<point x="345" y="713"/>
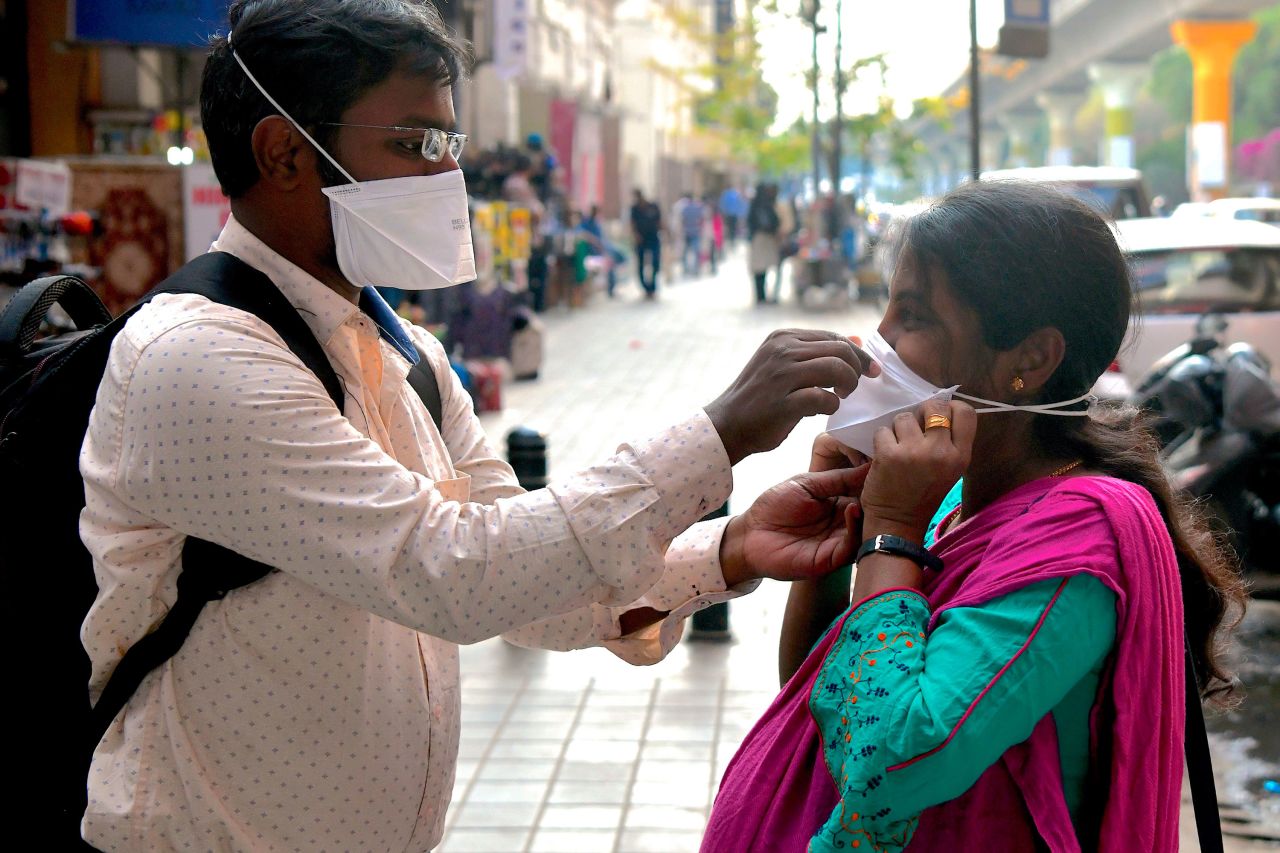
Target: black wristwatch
<point x="899" y="547"/>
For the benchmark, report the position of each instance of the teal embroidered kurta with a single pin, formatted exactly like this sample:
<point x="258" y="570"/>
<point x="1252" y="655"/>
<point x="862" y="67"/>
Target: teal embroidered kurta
<point x="932" y="711"/>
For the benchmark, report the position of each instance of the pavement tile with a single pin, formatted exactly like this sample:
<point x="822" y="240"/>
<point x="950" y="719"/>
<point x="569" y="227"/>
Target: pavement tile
<point x="572" y="816"/>
<point x="541" y="696"/>
<point x="602" y="751"/>
<point x="659" y="841"/>
<point x="615" y="730"/>
<point x="587" y="771"/>
<point x="665" y="817"/>
<point x="475" y="814"/>
<point x="502" y="791"/>
<point x="508" y="747"/>
<point x="687" y="732"/>
<point x="573" y="841"/>
<point x="664" y="770"/>
<point x="483" y="841"/>
<point x="516" y="770"/>
<point x="676" y="751"/>
<point x="689" y="793"/>
<point x="594" y="792"/>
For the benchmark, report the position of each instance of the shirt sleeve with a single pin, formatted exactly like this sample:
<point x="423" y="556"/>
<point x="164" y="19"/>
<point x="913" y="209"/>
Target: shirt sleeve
<point x="693" y="580"/>
<point x="226" y="436"/>
<point x="911" y="719"/>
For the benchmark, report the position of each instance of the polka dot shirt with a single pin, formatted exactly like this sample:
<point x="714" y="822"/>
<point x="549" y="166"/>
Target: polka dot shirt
<point x="319" y="706"/>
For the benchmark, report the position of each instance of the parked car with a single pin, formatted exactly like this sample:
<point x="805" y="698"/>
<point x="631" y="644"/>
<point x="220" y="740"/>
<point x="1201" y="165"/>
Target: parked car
<point x="1184" y="268"/>
<point x="1257" y="209"/>
<point x="1117" y="192"/>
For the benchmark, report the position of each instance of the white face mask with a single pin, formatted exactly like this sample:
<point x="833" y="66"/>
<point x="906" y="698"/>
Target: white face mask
<point x="876" y="402"/>
<point x="412" y="233"/>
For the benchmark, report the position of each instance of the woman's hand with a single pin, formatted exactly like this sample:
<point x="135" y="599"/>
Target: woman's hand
<point x="915" y="467"/>
<point x="797" y="530"/>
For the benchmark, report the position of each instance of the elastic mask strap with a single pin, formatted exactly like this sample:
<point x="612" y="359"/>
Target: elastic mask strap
<point x="1041" y="409"/>
<point x="283" y="112"/>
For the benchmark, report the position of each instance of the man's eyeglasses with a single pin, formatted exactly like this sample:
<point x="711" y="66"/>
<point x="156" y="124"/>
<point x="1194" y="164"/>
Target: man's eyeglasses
<point x="435" y="142"/>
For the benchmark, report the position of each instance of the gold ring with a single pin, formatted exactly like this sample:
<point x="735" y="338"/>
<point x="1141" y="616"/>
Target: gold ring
<point x="937" y="421"/>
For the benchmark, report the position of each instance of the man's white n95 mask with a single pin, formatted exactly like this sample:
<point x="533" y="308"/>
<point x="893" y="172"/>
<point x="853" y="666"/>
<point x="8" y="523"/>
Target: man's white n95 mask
<point x="413" y="233"/>
<point x="876" y="402"/>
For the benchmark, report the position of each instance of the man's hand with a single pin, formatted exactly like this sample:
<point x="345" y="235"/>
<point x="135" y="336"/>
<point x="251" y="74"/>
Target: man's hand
<point x="802" y="528"/>
<point x="786" y="380"/>
<point x="829" y="455"/>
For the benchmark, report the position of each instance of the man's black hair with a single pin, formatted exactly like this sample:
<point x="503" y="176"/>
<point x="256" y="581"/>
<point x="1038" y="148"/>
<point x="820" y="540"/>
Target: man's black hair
<point x="316" y="58"/>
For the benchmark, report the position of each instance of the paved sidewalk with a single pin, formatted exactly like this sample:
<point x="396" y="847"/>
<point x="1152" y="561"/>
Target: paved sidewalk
<point x="578" y="751"/>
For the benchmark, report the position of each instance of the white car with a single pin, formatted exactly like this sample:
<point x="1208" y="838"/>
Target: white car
<point x="1115" y="192"/>
<point x="1184" y="268"/>
<point x="1257" y="209"/>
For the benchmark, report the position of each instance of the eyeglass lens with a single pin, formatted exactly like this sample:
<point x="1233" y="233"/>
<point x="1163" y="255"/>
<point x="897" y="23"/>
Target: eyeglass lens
<point x="435" y="141"/>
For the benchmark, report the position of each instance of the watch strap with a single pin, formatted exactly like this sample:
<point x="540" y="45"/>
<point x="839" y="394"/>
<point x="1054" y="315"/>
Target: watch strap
<point x="897" y="546"/>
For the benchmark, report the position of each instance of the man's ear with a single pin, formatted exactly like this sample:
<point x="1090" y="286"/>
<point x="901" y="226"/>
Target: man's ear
<point x="1036" y="359"/>
<point x="280" y="152"/>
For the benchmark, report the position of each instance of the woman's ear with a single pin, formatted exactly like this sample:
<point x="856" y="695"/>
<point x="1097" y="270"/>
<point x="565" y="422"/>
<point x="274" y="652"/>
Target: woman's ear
<point x="278" y="149"/>
<point x="1034" y="361"/>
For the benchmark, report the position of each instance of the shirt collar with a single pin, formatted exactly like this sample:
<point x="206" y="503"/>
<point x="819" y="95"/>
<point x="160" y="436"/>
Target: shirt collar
<point x="388" y="323"/>
<point x="323" y="310"/>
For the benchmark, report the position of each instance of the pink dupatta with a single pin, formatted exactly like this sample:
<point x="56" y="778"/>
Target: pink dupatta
<point x="777" y="792"/>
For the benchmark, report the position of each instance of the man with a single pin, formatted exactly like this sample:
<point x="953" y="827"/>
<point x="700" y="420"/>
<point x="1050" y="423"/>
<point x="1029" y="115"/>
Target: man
<point x="692" y="219"/>
<point x="646" y="231"/>
<point x="733" y="206"/>
<point x="319" y="706"/>
<point x="593" y="230"/>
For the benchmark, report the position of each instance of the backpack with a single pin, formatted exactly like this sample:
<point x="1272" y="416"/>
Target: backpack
<point x="47" y="390"/>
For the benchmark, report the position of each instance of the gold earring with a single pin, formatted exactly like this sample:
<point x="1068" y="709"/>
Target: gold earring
<point x="1017" y="383"/>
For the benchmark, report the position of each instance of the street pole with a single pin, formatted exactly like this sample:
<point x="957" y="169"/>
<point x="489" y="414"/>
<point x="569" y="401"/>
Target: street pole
<point x="837" y="141"/>
<point x="975" y="113"/>
<point x="817" y="138"/>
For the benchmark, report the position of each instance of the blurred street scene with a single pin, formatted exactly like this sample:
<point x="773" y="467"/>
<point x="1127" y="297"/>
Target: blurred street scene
<point x="655" y="185"/>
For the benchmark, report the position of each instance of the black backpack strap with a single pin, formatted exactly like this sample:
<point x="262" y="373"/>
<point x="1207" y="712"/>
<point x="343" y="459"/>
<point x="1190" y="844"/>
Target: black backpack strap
<point x="227" y="280"/>
<point x="210" y="571"/>
<point x="423" y="381"/>
<point x="25" y="311"/>
<point x="1204" y="794"/>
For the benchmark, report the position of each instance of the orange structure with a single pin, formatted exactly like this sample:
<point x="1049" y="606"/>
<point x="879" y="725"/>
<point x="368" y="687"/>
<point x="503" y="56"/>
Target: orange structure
<point x="1213" y="46"/>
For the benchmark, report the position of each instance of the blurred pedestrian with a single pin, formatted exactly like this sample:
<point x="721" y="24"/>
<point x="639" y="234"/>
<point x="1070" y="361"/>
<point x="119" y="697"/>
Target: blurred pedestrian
<point x="646" y="232"/>
<point x="764" y="231"/>
<point x="693" y="218"/>
<point x="733" y="207"/>
<point x="713" y="232"/>
<point x="593" y="229"/>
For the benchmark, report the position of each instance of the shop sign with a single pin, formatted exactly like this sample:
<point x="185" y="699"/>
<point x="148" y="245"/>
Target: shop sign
<point x="204" y="208"/>
<point x="511" y="38"/>
<point x="43" y="186"/>
<point x="171" y="23"/>
<point x="1025" y="32"/>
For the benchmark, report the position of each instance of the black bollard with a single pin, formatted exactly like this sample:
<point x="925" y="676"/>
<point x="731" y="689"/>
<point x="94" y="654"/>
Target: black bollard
<point x="711" y="624"/>
<point x="527" y="453"/>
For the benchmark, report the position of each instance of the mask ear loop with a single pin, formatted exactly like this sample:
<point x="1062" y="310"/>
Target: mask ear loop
<point x="1041" y="409"/>
<point x="284" y="112"/>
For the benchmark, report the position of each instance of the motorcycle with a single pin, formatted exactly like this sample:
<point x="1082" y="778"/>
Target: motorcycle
<point x="1216" y="411"/>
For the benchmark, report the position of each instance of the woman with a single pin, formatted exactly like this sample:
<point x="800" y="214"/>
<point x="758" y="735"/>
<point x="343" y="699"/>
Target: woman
<point x="764" y="231"/>
<point x="1020" y="685"/>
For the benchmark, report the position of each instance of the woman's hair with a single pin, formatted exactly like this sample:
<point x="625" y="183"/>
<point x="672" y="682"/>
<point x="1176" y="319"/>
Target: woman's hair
<point x="1027" y="257"/>
<point x="316" y="58"/>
